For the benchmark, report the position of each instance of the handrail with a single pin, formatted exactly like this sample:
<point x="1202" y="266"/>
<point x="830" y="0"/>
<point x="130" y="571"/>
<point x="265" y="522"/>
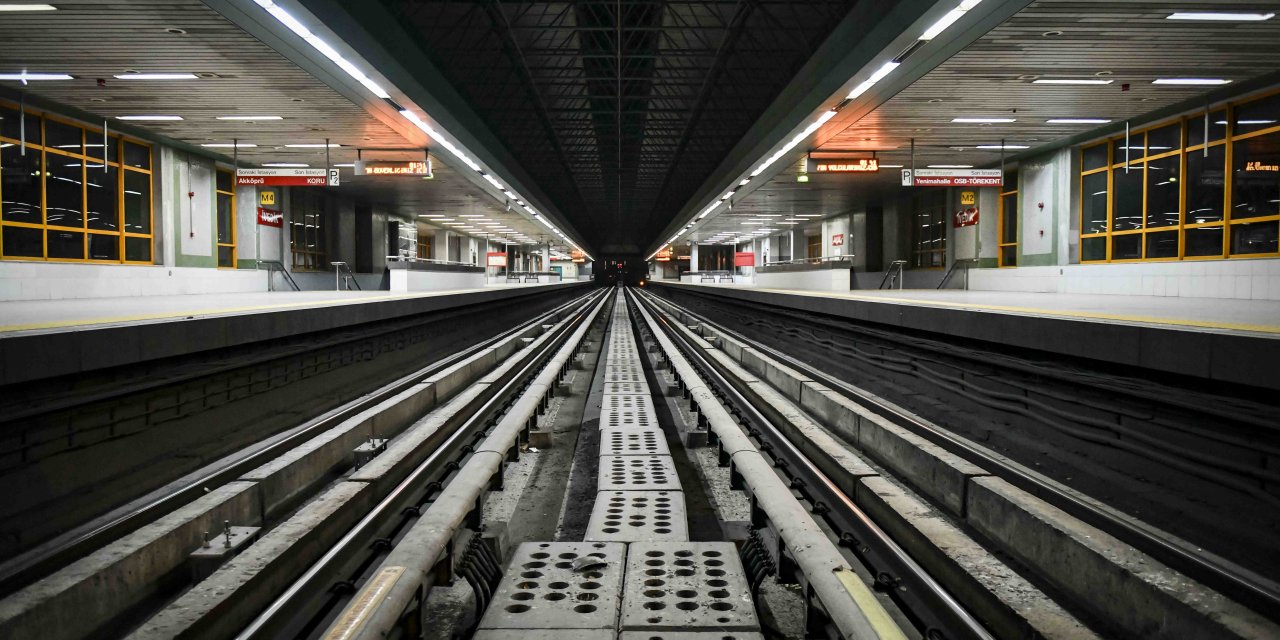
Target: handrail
<point x="430" y="260"/>
<point x="820" y="260"/>
<point x="893" y="274"/>
<point x="342" y="273"/>
<point x="273" y="266"/>
<point x="956" y="263"/>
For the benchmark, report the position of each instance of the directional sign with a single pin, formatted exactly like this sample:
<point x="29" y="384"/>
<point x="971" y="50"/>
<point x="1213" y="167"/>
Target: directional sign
<point x="415" y="168"/>
<point x="843" y="164"/>
<point x="907" y="179"/>
<point x="333" y="177"/>
<point x="282" y="177"/>
<point x="957" y="178"/>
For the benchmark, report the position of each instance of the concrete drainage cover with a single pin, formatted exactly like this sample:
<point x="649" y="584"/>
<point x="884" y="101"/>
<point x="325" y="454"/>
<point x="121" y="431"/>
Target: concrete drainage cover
<point x="691" y="585"/>
<point x="634" y="516"/>
<point x="542" y="591"/>
<point x="627" y="411"/>
<point x="636" y="441"/>
<point x="626" y="388"/>
<point x="637" y="473"/>
<point x="689" y="635"/>
<point x="623" y="374"/>
<point x="544" y="634"/>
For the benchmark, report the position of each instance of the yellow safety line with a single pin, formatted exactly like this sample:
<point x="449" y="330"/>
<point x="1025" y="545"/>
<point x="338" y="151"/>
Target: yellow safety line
<point x="883" y="625"/>
<point x="56" y="324"/>
<point x="1201" y="324"/>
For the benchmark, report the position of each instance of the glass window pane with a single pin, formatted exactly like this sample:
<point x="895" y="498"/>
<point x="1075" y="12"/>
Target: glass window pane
<point x="1009" y="219"/>
<point x="1255" y="237"/>
<point x="63" y="191"/>
<point x="137" y="249"/>
<point x="137" y="202"/>
<point x="1126" y="247"/>
<point x="137" y="155"/>
<point x="226" y="218"/>
<point x="226" y="257"/>
<point x="93" y="145"/>
<point x="1163" y="191"/>
<point x="1165" y="139"/>
<point x="1126" y="212"/>
<point x="1255" y="189"/>
<point x="66" y="244"/>
<point x="1094" y="157"/>
<point x="1217" y="128"/>
<point x="10" y="126"/>
<point x="23" y="242"/>
<point x="1257" y="115"/>
<point x="1093" y="249"/>
<point x="224" y="181"/>
<point x="103" y="195"/>
<point x="63" y="137"/>
<point x="1162" y="245"/>
<point x="20" y="186"/>
<point x="1205" y="184"/>
<point x="1204" y="241"/>
<point x="104" y="247"/>
<point x="1094" y="203"/>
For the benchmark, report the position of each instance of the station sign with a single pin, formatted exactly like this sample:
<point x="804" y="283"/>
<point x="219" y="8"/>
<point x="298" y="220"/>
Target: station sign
<point x="267" y="198"/>
<point x="837" y="240"/>
<point x="955" y="178"/>
<point x="842" y="165"/>
<point x="744" y="259"/>
<point x="270" y="217"/>
<point x="408" y="168"/>
<point x="664" y="256"/>
<point x="282" y="177"/>
<point x="496" y="259"/>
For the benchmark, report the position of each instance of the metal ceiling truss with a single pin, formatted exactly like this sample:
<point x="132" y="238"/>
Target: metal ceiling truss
<point x="620" y="109"/>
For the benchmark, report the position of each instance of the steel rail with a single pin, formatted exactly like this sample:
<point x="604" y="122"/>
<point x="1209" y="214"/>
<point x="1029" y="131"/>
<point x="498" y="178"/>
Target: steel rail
<point x="23" y="570"/>
<point x="1249" y="588"/>
<point x="289" y="613"/>
<point x="926" y="601"/>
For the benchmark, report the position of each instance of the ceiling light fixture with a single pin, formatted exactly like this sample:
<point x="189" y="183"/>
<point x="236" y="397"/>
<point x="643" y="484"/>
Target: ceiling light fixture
<point x="879" y="74"/>
<point x="1077" y="121"/>
<point x="948" y="20"/>
<point x="25" y="77"/>
<point x="153" y="118"/>
<point x="229" y="145"/>
<point x="1070" y="81"/>
<point x="1221" y="16"/>
<point x="249" y="118"/>
<point x="1190" y="81"/>
<point x="799" y="137"/>
<point x="27" y="7"/>
<point x="156" y="76"/>
<point x="323" y="47"/>
<point x="983" y="120"/>
<point x="999" y="147"/>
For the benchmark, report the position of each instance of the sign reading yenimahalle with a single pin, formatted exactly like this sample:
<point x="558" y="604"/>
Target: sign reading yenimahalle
<point x="282" y="177"/>
<point x="414" y="168"/>
<point x="958" y="178"/>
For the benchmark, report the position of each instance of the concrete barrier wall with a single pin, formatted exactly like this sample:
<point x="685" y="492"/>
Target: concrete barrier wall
<point x="62" y="281"/>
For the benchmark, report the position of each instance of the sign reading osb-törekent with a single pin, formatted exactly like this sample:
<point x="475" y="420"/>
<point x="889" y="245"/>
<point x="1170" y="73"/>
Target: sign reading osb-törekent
<point x="958" y="178"/>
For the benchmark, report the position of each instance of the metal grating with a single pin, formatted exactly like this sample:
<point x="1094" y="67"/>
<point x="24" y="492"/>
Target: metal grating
<point x="541" y="589"/>
<point x="634" y="516"/>
<point x="629" y="411"/>
<point x="689" y="586"/>
<point x="637" y="473"/>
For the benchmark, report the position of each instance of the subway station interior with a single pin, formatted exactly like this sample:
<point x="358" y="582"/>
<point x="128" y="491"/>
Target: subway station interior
<point x="639" y="319"/>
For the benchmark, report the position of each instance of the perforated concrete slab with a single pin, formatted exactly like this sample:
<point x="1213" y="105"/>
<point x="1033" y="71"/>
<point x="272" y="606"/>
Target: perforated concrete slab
<point x="541" y="590"/>
<point x="626" y="388"/>
<point x="627" y="411"/>
<point x="637" y="473"/>
<point x="544" y="634"/>
<point x="623" y="374"/>
<point x="634" y="516"/>
<point x="616" y="441"/>
<point x="689" y="635"/>
<point x="690" y="586"/>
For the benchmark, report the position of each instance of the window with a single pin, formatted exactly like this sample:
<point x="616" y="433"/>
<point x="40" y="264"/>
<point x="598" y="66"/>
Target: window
<point x="307" y="230"/>
<point x="1008" y="245"/>
<point x="1200" y="187"/>
<point x="60" y="201"/>
<point x="929" y="229"/>
<point x="226" y="220"/>
<point x="813" y="246"/>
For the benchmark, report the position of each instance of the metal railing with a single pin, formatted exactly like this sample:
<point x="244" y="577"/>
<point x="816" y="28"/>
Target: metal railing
<point x="274" y="266"/>
<point x="821" y="260"/>
<point x="532" y="276"/>
<point x="429" y="261"/>
<point x="893" y="275"/>
<point x="342" y="274"/>
<point x="967" y="262"/>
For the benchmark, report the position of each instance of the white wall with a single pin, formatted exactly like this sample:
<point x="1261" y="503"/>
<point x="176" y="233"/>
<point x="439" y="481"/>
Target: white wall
<point x="1256" y="279"/>
<point x="830" y="228"/>
<point x="61" y="281"/>
<point x="409" y="280"/>
<point x="815" y="280"/>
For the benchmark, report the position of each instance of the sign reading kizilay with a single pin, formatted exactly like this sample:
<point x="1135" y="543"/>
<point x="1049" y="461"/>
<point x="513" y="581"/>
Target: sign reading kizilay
<point x="957" y="178"/>
<point x="413" y="168"/>
<point x="282" y="177"/>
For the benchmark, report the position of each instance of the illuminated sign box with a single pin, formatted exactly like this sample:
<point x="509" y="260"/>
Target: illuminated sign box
<point x="958" y="178"/>
<point x="282" y="177"/>
<point x="843" y="165"/>
<point x="411" y="168"/>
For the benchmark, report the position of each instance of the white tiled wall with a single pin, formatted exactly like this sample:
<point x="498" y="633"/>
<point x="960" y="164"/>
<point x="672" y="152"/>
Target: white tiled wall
<point x="1257" y="279"/>
<point x="60" y="281"/>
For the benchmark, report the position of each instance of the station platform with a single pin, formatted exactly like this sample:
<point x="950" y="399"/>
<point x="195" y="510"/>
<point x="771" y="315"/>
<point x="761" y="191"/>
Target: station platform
<point x="1234" y="341"/>
<point x="44" y="338"/>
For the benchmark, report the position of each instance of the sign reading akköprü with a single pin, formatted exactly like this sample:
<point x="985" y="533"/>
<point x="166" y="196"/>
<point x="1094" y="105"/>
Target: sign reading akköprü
<point x="282" y="177"/>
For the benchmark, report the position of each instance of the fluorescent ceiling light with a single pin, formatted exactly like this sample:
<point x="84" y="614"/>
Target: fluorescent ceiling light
<point x="248" y="118"/>
<point x="345" y="164"/>
<point x="941" y="25"/>
<point x="320" y="145"/>
<point x="1190" y="81"/>
<point x="744" y="182"/>
<point x="1223" y="122"/>
<point x="322" y="46"/>
<point x="27" y="7"/>
<point x="156" y="76"/>
<point x="1070" y="81"/>
<point x="493" y="181"/>
<point x="890" y="166"/>
<point x="24" y="76"/>
<point x="435" y="135"/>
<point x="799" y="137"/>
<point x="286" y="164"/>
<point x="1077" y="121"/>
<point x="999" y="147"/>
<point x="229" y="145"/>
<point x="983" y="120"/>
<point x="1220" y="16"/>
<point x="875" y="77"/>
<point x="950" y="166"/>
<point x="148" y="118"/>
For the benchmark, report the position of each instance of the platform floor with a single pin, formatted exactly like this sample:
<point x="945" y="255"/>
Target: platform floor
<point x="1211" y="314"/>
<point x="27" y="317"/>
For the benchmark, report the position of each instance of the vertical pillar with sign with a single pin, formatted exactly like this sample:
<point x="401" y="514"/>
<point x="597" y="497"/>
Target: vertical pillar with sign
<point x="333" y="177"/>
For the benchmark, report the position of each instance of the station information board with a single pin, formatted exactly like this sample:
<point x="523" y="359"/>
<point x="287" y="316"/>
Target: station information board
<point x="282" y="178"/>
<point x="957" y="178"/>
